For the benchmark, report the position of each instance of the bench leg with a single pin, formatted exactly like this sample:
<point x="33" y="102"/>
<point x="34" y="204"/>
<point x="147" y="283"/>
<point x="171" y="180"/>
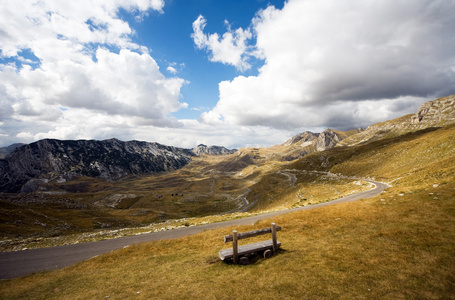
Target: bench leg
<point x="235" y="250"/>
<point x="275" y="244"/>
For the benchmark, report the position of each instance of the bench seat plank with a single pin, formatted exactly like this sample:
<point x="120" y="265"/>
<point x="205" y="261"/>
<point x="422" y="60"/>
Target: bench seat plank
<point x="247" y="249"/>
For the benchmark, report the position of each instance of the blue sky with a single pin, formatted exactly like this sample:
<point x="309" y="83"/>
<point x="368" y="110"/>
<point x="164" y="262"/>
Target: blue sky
<point x="232" y="73"/>
<point x="171" y="43"/>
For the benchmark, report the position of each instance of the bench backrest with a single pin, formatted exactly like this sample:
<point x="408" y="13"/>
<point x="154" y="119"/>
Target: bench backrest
<point x="248" y="234"/>
<point x="243" y="235"/>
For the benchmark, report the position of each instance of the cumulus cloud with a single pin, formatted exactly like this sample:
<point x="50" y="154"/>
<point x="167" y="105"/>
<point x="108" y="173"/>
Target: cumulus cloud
<point x="66" y="24"/>
<point x="79" y="68"/>
<point x="342" y="64"/>
<point x="231" y="48"/>
<point x="193" y="133"/>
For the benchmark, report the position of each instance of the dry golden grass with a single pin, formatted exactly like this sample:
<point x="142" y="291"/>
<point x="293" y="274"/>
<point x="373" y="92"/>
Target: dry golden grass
<point x="274" y="192"/>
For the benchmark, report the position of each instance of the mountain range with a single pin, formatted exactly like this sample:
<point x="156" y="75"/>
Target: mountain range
<point x="25" y="166"/>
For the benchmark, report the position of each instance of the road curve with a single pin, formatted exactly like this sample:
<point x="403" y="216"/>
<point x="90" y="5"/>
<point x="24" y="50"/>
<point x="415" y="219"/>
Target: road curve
<point x="21" y="263"/>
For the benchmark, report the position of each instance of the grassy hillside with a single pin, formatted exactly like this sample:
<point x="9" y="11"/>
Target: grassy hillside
<point x="399" y="245"/>
<point x="409" y="160"/>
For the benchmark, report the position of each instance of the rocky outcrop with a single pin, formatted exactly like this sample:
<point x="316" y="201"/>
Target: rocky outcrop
<point x="321" y="141"/>
<point x="327" y="139"/>
<point x="112" y="159"/>
<point x="437" y="112"/>
<point x="212" y="150"/>
<point x="303" y="139"/>
<point x="309" y="142"/>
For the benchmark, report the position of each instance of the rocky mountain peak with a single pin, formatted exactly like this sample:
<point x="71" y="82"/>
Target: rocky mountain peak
<point x="322" y="141"/>
<point x="302" y="139"/>
<point x="25" y="166"/>
<point x="327" y="139"/>
<point x="211" y="150"/>
<point x="308" y="142"/>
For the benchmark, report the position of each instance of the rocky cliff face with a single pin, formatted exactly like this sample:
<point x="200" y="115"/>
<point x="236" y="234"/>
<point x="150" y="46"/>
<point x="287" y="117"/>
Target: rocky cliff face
<point x="303" y="139"/>
<point x="109" y="159"/>
<point x="327" y="139"/>
<point x="435" y="113"/>
<point x="322" y="141"/>
<point x="308" y="142"/>
<point x="212" y="150"/>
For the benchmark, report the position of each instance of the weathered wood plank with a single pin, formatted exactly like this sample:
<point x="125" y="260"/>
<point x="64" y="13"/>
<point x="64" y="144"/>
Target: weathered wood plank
<point x="244" y="235"/>
<point x="247" y="249"/>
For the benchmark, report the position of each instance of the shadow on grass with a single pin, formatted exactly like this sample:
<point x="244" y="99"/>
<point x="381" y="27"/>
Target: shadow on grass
<point x="250" y="258"/>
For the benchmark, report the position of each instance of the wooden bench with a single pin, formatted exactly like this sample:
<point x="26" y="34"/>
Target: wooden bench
<point x="269" y="246"/>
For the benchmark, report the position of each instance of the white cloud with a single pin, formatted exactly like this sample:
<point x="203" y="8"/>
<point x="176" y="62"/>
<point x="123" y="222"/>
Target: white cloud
<point x="172" y="70"/>
<point x="66" y="25"/>
<point x="342" y="64"/>
<point x="175" y="68"/>
<point x="193" y="133"/>
<point x="24" y="135"/>
<point x="75" y="69"/>
<point x="231" y="48"/>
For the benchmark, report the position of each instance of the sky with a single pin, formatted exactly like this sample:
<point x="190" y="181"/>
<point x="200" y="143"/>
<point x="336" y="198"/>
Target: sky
<point x="231" y="73"/>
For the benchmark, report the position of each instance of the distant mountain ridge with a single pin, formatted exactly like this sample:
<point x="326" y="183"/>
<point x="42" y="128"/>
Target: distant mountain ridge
<point x="27" y="165"/>
<point x="212" y="150"/>
<point x="4" y="151"/>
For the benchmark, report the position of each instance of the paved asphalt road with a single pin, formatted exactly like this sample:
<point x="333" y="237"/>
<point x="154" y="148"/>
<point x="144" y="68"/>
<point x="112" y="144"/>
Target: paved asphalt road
<point x="21" y="263"/>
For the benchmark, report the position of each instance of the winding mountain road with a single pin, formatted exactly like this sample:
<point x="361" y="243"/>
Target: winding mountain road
<point x="292" y="178"/>
<point x="21" y="263"/>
